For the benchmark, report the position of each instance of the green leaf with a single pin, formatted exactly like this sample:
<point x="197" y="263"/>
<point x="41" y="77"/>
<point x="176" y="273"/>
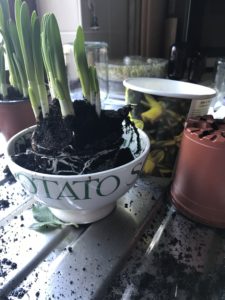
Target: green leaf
<point x="17" y="74"/>
<point x="3" y="85"/>
<point x="26" y="40"/>
<point x="18" y="58"/>
<point x="5" y="13"/>
<point x="17" y="6"/>
<point x="47" y="59"/>
<point x="56" y="43"/>
<point x="55" y="64"/>
<point x="38" y="63"/>
<point x="44" y="226"/>
<point x="2" y="19"/>
<point x="81" y="62"/>
<point x="87" y="74"/>
<point x="5" y="31"/>
<point x="33" y="99"/>
<point x="46" y="220"/>
<point x="15" y="40"/>
<point x="36" y="46"/>
<point x="42" y="213"/>
<point x="28" y="29"/>
<point x="2" y="63"/>
<point x="94" y="79"/>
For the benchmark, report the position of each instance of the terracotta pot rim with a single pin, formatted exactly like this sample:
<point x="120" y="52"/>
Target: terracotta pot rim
<point x="13" y="101"/>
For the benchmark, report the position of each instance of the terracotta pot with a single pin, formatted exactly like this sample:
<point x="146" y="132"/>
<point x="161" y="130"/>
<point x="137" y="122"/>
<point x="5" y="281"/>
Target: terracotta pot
<point x="198" y="188"/>
<point x="15" y="115"/>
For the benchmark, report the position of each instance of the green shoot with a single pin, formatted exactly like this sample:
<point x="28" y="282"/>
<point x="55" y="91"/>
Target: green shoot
<point x="13" y="51"/>
<point x="95" y="89"/>
<point x="81" y="63"/>
<point x="38" y="63"/>
<point x="28" y="29"/>
<point x="18" y="58"/>
<point x="52" y="51"/>
<point x="3" y="84"/>
<point x="87" y="74"/>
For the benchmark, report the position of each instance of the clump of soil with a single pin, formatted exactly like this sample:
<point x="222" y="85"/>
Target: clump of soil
<point x="80" y="144"/>
<point x="4" y="204"/>
<point x="12" y="94"/>
<point x="8" y="175"/>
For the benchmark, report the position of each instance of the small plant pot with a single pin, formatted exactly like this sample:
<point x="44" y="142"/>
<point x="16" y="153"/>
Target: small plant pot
<point x="15" y="115"/>
<point x="79" y="198"/>
<point x="198" y="186"/>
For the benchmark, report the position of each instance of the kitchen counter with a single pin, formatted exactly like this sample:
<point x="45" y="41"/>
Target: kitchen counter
<point x="143" y="250"/>
<point x="183" y="260"/>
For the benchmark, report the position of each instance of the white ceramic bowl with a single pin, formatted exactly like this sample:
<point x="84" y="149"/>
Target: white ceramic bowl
<point x="79" y="198"/>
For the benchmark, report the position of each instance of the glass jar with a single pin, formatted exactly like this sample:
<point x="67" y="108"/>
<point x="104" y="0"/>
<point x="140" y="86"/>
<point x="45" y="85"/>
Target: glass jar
<point x="97" y="55"/>
<point x="220" y="75"/>
<point x="219" y="101"/>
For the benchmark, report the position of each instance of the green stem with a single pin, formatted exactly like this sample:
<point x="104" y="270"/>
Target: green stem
<point x="3" y="89"/>
<point x="28" y="28"/>
<point x="3" y="85"/>
<point x="87" y="74"/>
<point x="38" y="64"/>
<point x="23" y="25"/>
<point x="32" y="91"/>
<point x="81" y="63"/>
<point x="54" y="62"/>
<point x="13" y="50"/>
<point x="43" y="100"/>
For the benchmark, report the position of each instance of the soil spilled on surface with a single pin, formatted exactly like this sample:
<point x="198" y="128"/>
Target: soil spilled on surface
<point x="80" y="144"/>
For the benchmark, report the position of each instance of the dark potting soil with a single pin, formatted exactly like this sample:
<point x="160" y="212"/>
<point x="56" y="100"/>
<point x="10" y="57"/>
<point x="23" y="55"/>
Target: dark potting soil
<point x="80" y="144"/>
<point x="4" y="204"/>
<point x="8" y="175"/>
<point x="12" y="94"/>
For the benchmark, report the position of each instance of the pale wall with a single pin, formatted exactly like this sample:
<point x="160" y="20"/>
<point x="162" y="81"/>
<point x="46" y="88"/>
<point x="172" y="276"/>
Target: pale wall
<point x="67" y="12"/>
